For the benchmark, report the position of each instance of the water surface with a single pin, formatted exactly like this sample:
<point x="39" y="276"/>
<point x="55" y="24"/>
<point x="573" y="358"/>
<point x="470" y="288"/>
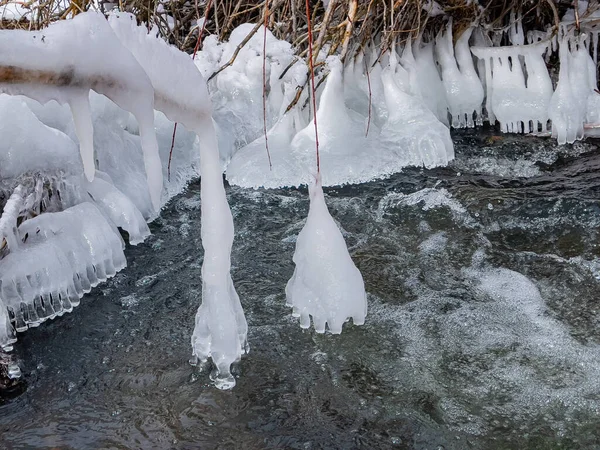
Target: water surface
<point x="483" y="327"/>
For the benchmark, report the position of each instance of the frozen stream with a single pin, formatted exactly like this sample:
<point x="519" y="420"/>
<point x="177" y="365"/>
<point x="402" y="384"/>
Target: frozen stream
<point x="483" y="329"/>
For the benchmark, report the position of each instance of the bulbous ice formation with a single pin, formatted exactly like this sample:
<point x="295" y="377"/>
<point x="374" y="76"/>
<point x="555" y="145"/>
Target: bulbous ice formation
<point x="326" y="284"/>
<point x="412" y="133"/>
<point x="221" y="329"/>
<point x="565" y="110"/>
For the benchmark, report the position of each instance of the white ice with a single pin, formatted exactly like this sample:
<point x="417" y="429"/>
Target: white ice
<point x="410" y="134"/>
<point x="519" y="87"/>
<point x="326" y="284"/>
<point x="464" y="91"/>
<point x="60" y="256"/>
<point x="68" y="59"/>
<point x="29" y="146"/>
<point x="565" y="110"/>
<point x="221" y="329"/>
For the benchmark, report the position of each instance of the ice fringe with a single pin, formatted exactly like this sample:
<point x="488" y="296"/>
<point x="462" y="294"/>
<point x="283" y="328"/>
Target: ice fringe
<point x="326" y="284"/>
<point x="405" y="133"/>
<point x="53" y="261"/>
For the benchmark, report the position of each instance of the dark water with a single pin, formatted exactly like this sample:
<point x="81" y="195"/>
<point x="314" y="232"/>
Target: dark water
<point x="483" y="328"/>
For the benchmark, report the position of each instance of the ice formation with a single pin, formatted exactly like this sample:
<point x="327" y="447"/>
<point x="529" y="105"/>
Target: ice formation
<point x="412" y="133"/>
<point x="429" y="83"/>
<point x="405" y="132"/>
<point x="65" y="62"/>
<point x="326" y="284"/>
<point x="221" y="329"/>
<point x="54" y="260"/>
<point x="378" y="114"/>
<point x="566" y="111"/>
<point x="464" y="91"/>
<point x="518" y="94"/>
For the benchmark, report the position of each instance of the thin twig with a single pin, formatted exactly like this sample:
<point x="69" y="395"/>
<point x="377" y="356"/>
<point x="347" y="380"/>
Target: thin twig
<point x="265" y="82"/>
<point x="312" y="79"/>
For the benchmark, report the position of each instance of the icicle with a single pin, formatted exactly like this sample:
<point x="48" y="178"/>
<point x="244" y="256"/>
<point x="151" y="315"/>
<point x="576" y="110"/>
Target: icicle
<point x="473" y="89"/>
<point x="220" y="330"/>
<point x="82" y="118"/>
<point x="8" y="219"/>
<point x="516" y="30"/>
<point x="595" y="47"/>
<point x="564" y="110"/>
<point x="429" y="82"/>
<point x="464" y="91"/>
<point x="326" y="284"/>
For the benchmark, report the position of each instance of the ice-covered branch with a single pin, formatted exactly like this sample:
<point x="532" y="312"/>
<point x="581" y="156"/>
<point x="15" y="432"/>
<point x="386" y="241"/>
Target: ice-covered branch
<point x="67" y="60"/>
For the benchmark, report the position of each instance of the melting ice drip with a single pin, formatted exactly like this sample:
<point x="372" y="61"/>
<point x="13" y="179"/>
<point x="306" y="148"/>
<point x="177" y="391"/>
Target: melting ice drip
<point x="221" y="330"/>
<point x="326" y="284"/>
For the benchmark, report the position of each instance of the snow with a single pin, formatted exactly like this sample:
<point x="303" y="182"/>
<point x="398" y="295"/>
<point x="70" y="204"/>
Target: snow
<point x="326" y="284"/>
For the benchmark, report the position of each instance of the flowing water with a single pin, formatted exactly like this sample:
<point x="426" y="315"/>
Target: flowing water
<point x="483" y="329"/>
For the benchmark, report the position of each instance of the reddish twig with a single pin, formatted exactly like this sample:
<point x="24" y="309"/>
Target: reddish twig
<point x="171" y="152"/>
<point x="312" y="79"/>
<point x="265" y="82"/>
<point x="370" y="96"/>
<point x="206" y="11"/>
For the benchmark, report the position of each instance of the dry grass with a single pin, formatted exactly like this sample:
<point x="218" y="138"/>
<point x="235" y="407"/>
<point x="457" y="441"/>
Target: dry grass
<point x="345" y="27"/>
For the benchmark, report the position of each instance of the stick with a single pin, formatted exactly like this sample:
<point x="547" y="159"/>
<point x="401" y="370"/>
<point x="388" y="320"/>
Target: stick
<point x="265" y="83"/>
<point x="312" y="79"/>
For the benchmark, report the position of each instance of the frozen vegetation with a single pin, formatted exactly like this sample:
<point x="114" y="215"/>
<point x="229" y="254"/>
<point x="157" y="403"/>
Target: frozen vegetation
<point x="87" y="110"/>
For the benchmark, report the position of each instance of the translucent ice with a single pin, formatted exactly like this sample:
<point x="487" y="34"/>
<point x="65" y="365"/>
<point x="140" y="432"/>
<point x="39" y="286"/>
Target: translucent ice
<point x="519" y="87"/>
<point x="221" y="329"/>
<point x="68" y="59"/>
<point x="117" y="206"/>
<point x="412" y="133"/>
<point x="326" y="284"/>
<point x="464" y="91"/>
<point x="565" y="110"/>
<point x="29" y="146"/>
<point x="8" y="220"/>
<point x="429" y="83"/>
<point x="60" y="257"/>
